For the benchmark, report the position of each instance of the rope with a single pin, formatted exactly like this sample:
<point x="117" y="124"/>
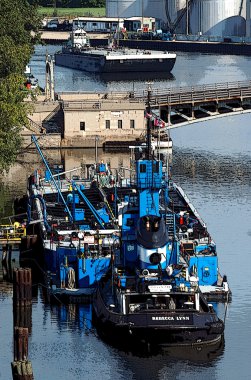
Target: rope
<point x="71" y="278"/>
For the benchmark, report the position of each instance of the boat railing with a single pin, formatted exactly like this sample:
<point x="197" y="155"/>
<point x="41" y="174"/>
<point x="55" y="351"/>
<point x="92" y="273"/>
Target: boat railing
<point x="12" y="231"/>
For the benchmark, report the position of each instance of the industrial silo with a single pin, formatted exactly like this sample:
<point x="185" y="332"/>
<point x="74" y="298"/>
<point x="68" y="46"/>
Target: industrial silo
<point x="131" y="8"/>
<point x="124" y="8"/>
<point x="217" y="17"/>
<point x="175" y="15"/>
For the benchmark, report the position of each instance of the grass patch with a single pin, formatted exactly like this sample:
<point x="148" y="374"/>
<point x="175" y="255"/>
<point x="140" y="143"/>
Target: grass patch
<point x="71" y="12"/>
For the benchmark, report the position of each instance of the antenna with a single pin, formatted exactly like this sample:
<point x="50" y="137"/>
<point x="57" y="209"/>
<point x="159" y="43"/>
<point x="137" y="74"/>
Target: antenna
<point x="148" y="115"/>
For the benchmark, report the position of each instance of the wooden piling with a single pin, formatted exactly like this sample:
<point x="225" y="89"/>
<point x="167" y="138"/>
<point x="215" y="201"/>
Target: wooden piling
<point x="22" y="301"/>
<point x="22" y="316"/>
<point x="22" y="287"/>
<point x="20" y="343"/>
<point x="22" y="370"/>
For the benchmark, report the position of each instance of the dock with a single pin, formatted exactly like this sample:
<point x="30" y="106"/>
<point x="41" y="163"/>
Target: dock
<point x="11" y="236"/>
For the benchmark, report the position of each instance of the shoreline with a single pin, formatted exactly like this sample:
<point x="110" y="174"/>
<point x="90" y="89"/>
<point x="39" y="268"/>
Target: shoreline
<point x="100" y="39"/>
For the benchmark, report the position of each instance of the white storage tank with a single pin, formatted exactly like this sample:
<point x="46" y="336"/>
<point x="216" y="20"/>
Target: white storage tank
<point x="218" y="17"/>
<point x="131" y="8"/>
<point x="123" y="8"/>
<point x="173" y="10"/>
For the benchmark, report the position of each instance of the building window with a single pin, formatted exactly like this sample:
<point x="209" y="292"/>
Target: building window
<point x="82" y="125"/>
<point x="120" y="124"/>
<point x="94" y="24"/>
<point x="107" y="124"/>
<point x="132" y="123"/>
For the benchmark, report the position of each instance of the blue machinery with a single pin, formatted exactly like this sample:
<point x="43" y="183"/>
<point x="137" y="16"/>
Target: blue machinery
<point x="74" y="185"/>
<point x="34" y="139"/>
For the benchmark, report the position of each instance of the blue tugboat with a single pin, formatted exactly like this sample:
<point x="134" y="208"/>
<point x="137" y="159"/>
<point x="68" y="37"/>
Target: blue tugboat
<point x="152" y="292"/>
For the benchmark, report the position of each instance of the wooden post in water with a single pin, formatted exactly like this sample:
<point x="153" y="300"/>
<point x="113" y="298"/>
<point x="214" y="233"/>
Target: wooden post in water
<point x="22" y="300"/>
<point x="22" y="370"/>
<point x="22" y="287"/>
<point x="20" y="343"/>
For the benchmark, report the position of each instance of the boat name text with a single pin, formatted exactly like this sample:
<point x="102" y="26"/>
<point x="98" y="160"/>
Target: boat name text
<point x="177" y="318"/>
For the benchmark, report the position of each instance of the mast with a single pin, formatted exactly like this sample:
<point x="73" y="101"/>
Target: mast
<point x="118" y="31"/>
<point x="148" y="130"/>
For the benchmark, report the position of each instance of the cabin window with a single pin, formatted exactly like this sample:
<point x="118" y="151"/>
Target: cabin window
<point x="82" y="125"/>
<point x="108" y="124"/>
<point x="142" y="168"/>
<point x="132" y="123"/>
<point x="155" y="167"/>
<point x="120" y="124"/>
<point x="130" y="222"/>
<point x="94" y="24"/>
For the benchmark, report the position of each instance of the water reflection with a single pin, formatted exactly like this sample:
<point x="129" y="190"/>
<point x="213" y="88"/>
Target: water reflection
<point x="73" y="317"/>
<point x="137" y="76"/>
<point x="190" y="69"/>
<point x="210" y="167"/>
<point x="194" y="354"/>
<point x="9" y="260"/>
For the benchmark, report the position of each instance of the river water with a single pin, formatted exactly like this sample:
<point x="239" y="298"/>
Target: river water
<point x="212" y="162"/>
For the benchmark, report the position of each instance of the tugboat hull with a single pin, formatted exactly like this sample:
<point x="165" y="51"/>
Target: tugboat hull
<point x="161" y="328"/>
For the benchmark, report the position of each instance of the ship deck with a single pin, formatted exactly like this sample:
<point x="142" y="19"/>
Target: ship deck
<point x="126" y="53"/>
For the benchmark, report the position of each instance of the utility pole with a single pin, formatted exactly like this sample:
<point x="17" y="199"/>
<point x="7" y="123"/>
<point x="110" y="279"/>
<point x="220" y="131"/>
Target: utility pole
<point x="247" y="18"/>
<point x="54" y="7"/>
<point x="142" y="14"/>
<point x="187" y="18"/>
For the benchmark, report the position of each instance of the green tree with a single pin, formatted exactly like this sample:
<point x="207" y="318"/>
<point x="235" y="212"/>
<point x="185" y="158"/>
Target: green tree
<point x="19" y="26"/>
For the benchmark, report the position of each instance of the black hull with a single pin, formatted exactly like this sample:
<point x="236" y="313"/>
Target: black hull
<point x="196" y="353"/>
<point x="156" y="328"/>
<point x="98" y="64"/>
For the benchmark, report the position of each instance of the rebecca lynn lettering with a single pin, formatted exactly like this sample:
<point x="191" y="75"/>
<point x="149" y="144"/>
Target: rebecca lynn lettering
<point x="177" y="318"/>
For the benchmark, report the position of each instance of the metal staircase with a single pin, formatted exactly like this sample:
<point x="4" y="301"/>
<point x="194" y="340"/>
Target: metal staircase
<point x="54" y="122"/>
<point x="35" y="128"/>
<point x="170" y="221"/>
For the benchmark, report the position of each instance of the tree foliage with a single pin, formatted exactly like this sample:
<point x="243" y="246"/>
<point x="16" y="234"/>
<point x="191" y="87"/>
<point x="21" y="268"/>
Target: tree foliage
<point x="19" y="25"/>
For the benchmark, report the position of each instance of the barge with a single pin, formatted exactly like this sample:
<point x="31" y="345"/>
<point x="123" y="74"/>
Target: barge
<point x="78" y="54"/>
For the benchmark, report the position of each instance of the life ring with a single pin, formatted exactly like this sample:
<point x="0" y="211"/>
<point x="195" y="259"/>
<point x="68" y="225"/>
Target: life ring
<point x="145" y="272"/>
